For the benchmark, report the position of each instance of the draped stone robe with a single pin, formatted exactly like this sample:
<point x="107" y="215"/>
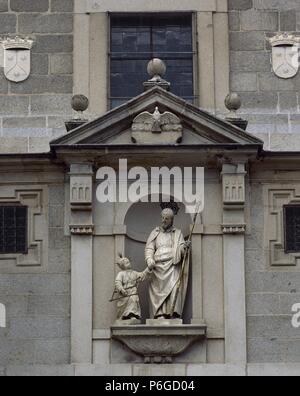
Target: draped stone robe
<point x="128" y="306"/>
<point x="166" y="248"/>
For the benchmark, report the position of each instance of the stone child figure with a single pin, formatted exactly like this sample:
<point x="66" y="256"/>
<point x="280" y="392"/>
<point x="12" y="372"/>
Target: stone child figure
<point x="164" y="254"/>
<point x="126" y="291"/>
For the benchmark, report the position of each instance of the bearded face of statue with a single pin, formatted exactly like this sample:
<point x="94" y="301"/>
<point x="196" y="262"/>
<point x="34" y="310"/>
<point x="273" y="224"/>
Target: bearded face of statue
<point x="167" y="217"/>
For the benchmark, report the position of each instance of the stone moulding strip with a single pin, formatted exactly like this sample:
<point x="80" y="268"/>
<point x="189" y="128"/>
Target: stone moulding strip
<point x="234" y="228"/>
<point x="93" y="6"/>
<point x="81" y="229"/>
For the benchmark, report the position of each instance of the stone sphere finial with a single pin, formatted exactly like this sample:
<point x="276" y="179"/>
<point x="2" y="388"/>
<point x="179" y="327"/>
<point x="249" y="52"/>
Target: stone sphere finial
<point x="233" y="102"/>
<point x="156" y="67"/>
<point x="80" y="103"/>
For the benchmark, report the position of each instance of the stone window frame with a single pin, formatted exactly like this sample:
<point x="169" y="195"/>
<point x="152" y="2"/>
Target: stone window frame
<point x="35" y="198"/>
<point x="275" y="198"/>
<point x="91" y="41"/>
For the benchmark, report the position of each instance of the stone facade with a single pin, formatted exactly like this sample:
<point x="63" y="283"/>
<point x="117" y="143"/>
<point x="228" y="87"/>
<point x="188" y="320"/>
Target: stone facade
<point x="37" y="300"/>
<point x="269" y="103"/>
<point x="33" y="112"/>
<point x="59" y="321"/>
<point x="272" y="289"/>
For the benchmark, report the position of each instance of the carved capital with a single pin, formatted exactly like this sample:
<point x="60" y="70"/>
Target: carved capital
<point x="82" y="229"/>
<point x="234" y="228"/>
<point x="81" y="187"/>
<point x="233" y="177"/>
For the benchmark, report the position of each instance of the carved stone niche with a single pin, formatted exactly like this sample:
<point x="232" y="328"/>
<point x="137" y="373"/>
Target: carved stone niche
<point x="275" y="198"/>
<point x="36" y="199"/>
<point x="159" y="344"/>
<point x="156" y="128"/>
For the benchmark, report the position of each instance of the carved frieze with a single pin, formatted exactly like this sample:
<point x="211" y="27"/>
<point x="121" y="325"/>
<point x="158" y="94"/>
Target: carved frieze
<point x="234" y="228"/>
<point x="81" y="229"/>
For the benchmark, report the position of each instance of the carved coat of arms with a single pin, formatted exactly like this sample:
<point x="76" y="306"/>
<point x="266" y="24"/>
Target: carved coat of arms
<point x="285" y="55"/>
<point x="17" y="59"/>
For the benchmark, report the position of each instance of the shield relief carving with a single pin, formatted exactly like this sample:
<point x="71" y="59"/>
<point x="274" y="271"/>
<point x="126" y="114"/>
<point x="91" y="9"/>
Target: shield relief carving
<point x="17" y="59"/>
<point x="285" y="55"/>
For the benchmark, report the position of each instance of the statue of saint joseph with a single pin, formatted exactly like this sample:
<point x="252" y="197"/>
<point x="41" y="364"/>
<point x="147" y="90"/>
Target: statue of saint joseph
<point x="164" y="254"/>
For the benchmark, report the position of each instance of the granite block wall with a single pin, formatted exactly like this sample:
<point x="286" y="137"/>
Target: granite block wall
<point x="270" y="104"/>
<point x="33" y="112"/>
<point x="271" y="293"/>
<point x="38" y="302"/>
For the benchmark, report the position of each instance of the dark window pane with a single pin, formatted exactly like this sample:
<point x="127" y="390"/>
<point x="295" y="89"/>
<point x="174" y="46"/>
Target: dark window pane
<point x="180" y="72"/>
<point x="13" y="229"/>
<point x="130" y="40"/>
<point x="292" y="228"/>
<point x="127" y="77"/>
<point x="136" y="39"/>
<point x="172" y="39"/>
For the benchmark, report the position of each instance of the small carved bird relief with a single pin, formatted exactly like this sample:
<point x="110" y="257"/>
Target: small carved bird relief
<point x="156" y="127"/>
<point x="157" y="122"/>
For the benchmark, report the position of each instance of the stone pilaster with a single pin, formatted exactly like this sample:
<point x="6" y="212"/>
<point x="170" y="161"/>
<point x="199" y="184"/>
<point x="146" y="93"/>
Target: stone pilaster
<point x="197" y="275"/>
<point x="81" y="229"/>
<point x="233" y="178"/>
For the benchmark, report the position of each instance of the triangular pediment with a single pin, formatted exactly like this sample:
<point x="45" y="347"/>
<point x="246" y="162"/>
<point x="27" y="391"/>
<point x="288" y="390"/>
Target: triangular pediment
<point x="198" y="127"/>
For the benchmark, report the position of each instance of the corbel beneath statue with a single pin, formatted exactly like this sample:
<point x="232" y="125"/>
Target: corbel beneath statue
<point x="159" y="344"/>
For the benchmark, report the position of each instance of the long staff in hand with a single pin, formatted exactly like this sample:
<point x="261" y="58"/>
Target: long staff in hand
<point x="184" y="261"/>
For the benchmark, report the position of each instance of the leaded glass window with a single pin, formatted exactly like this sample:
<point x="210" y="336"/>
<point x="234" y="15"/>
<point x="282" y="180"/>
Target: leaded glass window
<point x="136" y="39"/>
<point x="13" y="229"/>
